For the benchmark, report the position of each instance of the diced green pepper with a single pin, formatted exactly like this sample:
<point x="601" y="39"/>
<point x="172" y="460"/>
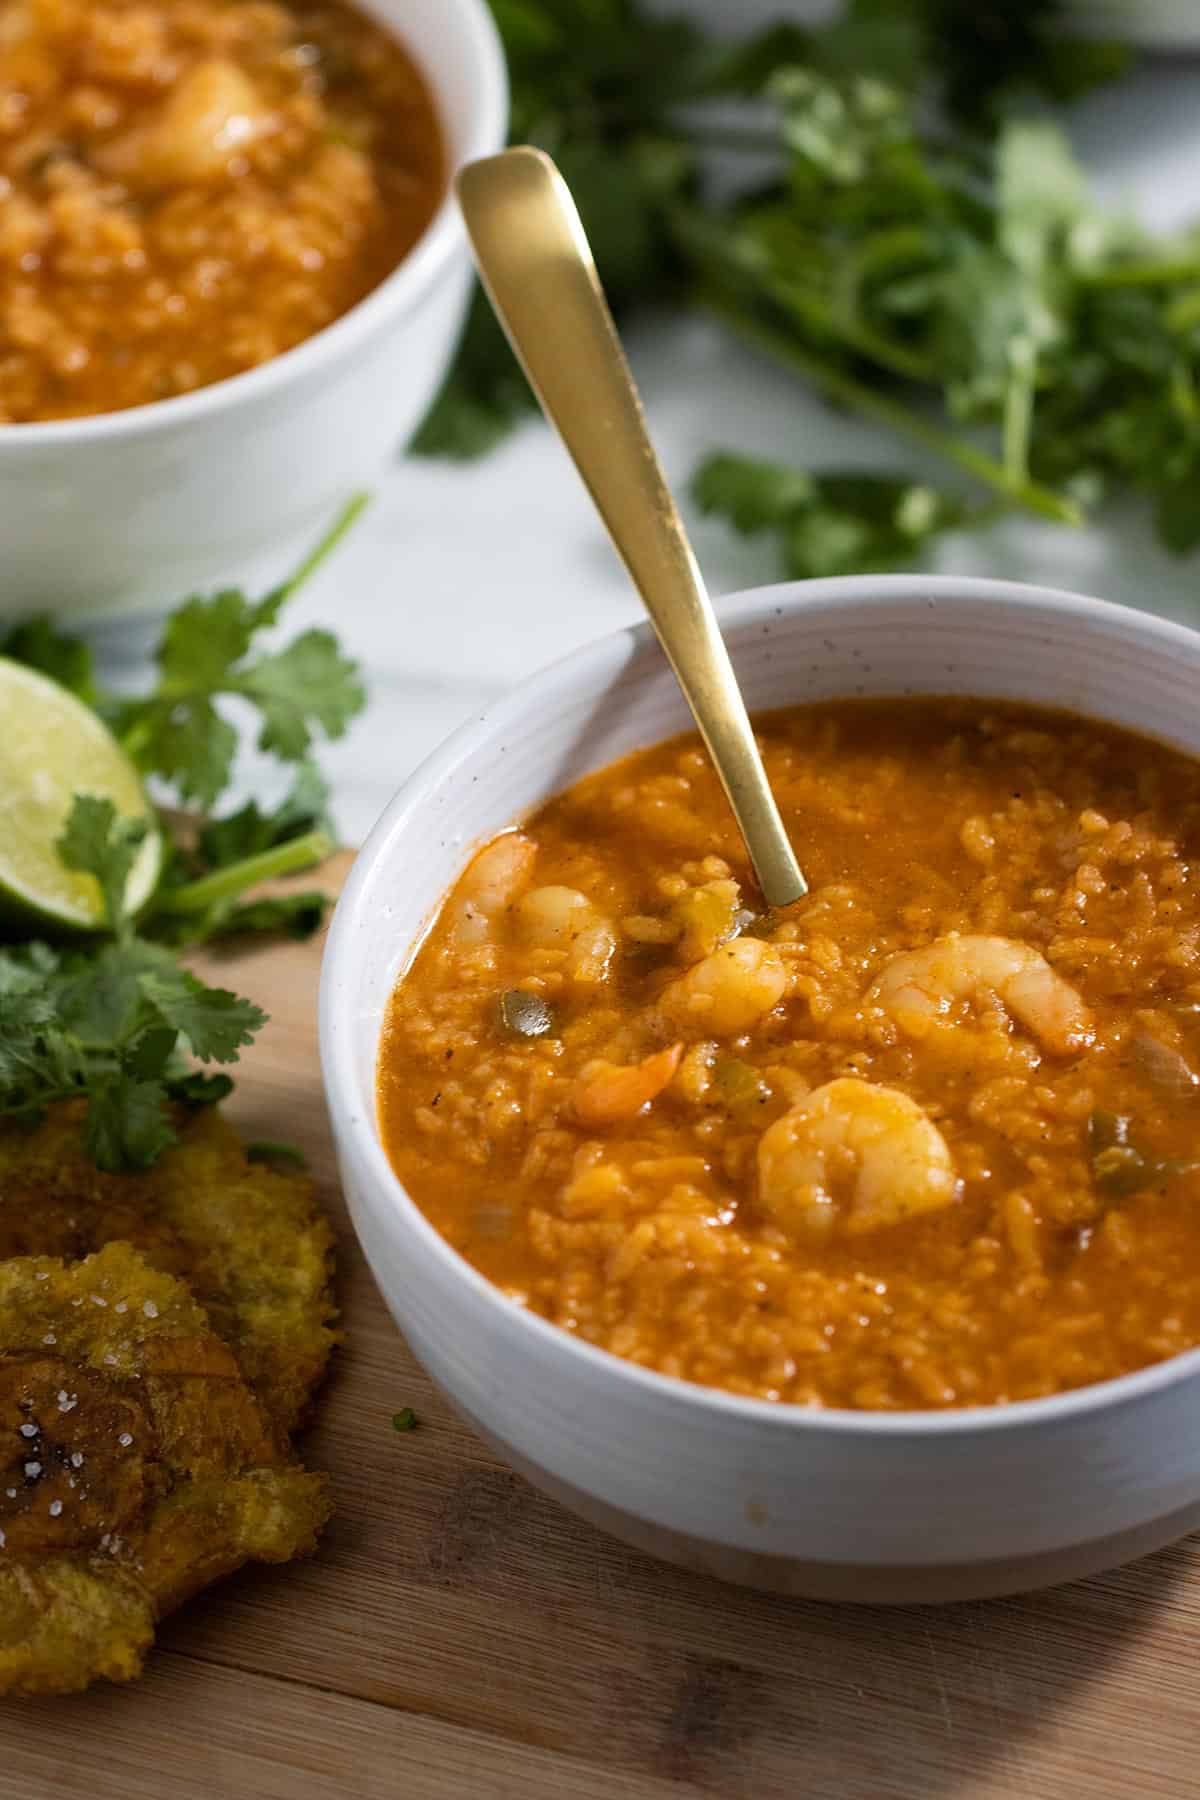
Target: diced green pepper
<point x="1119" y="1168"/>
<point x="705" y="916"/>
<point x="738" y="1085"/>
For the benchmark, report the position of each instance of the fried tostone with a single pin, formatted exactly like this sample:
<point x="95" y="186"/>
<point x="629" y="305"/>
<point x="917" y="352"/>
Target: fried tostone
<point x="249" y="1240"/>
<point x="137" y="1467"/>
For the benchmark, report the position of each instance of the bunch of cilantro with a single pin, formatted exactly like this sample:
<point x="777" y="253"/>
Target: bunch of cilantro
<point x="907" y="236"/>
<point x="117" y="1019"/>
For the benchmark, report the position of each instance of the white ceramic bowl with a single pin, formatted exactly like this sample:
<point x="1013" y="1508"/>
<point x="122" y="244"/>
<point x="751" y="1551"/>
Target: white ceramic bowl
<point x="842" y="1504"/>
<point x="132" y="510"/>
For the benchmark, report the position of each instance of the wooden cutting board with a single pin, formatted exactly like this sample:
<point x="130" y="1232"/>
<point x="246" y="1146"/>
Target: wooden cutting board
<point x="458" y="1637"/>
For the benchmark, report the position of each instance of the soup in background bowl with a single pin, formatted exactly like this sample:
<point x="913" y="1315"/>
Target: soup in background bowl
<point x="191" y="187"/>
<point x="889" y="1486"/>
<point x="223" y="481"/>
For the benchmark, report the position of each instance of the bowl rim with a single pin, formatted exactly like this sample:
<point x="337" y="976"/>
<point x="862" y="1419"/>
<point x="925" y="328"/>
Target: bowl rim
<point x="399" y="291"/>
<point x="358" y="1137"/>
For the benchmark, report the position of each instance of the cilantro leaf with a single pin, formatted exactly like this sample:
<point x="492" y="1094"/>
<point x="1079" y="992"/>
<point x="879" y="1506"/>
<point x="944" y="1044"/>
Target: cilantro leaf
<point x="296" y="916"/>
<point x="67" y="660"/>
<point x="250" y="830"/>
<point x="829" y="524"/>
<point x="215" y="1023"/>
<point x="189" y="745"/>
<point x="153" y="1053"/>
<point x="745" y="65"/>
<point x="993" y="52"/>
<point x="201" y="899"/>
<point x="96" y="841"/>
<point x="24" y="969"/>
<point x="112" y="1027"/>
<point x="1041" y="193"/>
<point x="208" y="655"/>
<point x="100" y="998"/>
<point x="203" y="639"/>
<point x="310" y="683"/>
<point x="115" y="1025"/>
<point x="119" y="1023"/>
<point x="37" y="1063"/>
<point x="753" y="494"/>
<point x="899" y="239"/>
<point x="196" y="1089"/>
<point x="126" y="1126"/>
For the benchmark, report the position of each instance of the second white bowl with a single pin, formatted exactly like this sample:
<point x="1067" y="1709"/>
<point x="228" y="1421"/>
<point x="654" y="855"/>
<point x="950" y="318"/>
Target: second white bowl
<point x="132" y="510"/>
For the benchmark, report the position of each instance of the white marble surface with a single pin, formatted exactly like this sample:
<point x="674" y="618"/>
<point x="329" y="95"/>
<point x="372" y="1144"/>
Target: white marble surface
<point x="461" y="580"/>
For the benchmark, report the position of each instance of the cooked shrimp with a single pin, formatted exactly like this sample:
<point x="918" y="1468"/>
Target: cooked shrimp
<point x="561" y="918"/>
<point x="491" y="885"/>
<point x="609" y="1093"/>
<point x="212" y="113"/>
<point x="727" y="992"/>
<point x="852" y="1156"/>
<point x="16" y="25"/>
<point x="919" y="988"/>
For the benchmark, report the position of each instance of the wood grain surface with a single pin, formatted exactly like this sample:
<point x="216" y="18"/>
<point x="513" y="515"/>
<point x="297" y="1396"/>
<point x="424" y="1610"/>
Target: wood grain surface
<point x="459" y="1637"/>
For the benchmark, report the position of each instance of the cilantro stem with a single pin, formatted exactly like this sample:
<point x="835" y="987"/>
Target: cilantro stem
<point x="1183" y="392"/>
<point x="1184" y="312"/>
<point x="902" y="419"/>
<point x="1160" y="271"/>
<point x="135" y="740"/>
<point x="819" y="316"/>
<point x="744" y="266"/>
<point x="178" y="732"/>
<point x="225" y="884"/>
<point x="140" y="735"/>
<point x="268" y="1150"/>
<point x="316" y="556"/>
<point x="1017" y="425"/>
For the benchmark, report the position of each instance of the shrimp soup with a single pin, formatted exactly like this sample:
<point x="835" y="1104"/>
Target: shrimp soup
<point x="190" y="187"/>
<point x="926" y="1139"/>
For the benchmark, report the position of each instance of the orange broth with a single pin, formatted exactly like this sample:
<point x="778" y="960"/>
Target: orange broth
<point x="759" y="1151"/>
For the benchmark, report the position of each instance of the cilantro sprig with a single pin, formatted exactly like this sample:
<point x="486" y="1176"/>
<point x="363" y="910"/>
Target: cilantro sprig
<point x="200" y="897"/>
<point x="891" y="226"/>
<point x="209" y="653"/>
<point x="119" y="1021"/>
<point x="826" y="525"/>
<point x="183" y="736"/>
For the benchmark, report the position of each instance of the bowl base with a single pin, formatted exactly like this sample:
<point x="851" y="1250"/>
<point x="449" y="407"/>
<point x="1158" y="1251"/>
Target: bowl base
<point x="868" y="1584"/>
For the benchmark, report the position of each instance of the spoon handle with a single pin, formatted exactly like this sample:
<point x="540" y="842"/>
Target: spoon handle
<point x="537" y="267"/>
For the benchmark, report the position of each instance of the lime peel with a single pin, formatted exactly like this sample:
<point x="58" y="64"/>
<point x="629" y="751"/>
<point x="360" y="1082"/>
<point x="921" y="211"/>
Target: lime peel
<point x="53" y="747"/>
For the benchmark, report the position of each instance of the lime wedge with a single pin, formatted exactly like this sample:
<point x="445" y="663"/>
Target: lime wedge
<point x="53" y="747"/>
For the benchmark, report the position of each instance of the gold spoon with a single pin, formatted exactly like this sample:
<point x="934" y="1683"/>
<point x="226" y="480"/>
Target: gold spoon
<point x="538" y="269"/>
